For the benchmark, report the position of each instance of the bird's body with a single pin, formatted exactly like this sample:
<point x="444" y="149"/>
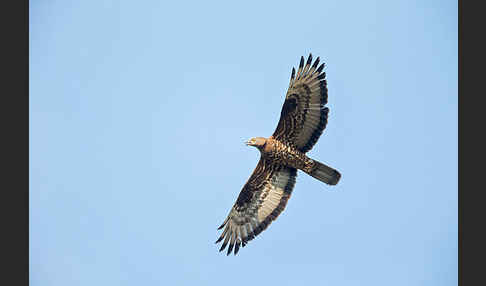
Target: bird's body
<point x="280" y="153"/>
<point x="265" y="194"/>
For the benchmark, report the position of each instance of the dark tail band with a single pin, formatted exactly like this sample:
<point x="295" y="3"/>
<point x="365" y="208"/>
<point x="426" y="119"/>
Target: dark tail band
<point x="325" y="174"/>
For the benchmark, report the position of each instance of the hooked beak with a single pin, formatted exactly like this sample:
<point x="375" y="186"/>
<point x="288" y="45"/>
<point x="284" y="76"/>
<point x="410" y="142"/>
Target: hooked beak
<point x="247" y="142"/>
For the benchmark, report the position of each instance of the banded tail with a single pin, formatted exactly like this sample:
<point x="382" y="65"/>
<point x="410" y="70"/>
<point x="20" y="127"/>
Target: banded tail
<point x="325" y="173"/>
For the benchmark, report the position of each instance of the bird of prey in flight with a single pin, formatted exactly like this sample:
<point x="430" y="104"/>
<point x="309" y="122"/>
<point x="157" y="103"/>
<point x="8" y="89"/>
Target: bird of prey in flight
<point x="265" y="194"/>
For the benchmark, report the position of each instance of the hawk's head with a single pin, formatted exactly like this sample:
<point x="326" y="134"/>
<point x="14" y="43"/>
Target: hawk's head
<point x="258" y="142"/>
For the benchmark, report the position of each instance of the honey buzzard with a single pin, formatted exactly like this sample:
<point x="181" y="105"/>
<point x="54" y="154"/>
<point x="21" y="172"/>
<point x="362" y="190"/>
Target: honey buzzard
<point x="265" y="194"/>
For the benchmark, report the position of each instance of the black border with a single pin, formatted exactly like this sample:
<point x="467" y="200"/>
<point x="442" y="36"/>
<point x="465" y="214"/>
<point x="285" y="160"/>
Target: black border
<point x="15" y="136"/>
<point x="470" y="161"/>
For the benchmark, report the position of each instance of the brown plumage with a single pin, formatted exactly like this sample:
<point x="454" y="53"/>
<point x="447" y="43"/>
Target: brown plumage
<point x="265" y="194"/>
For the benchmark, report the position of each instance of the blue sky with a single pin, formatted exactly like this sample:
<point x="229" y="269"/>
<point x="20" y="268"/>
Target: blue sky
<point x="139" y="110"/>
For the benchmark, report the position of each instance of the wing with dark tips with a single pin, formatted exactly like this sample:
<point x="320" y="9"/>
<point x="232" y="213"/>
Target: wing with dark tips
<point x="304" y="116"/>
<point x="262" y="199"/>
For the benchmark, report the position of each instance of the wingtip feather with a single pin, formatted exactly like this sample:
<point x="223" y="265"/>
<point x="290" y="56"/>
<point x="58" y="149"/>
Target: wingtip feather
<point x="237" y="246"/>
<point x="230" y="248"/>
<point x="309" y="59"/>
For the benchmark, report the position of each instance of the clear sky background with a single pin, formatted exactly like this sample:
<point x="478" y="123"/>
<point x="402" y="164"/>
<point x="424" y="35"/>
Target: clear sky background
<point x="139" y="110"/>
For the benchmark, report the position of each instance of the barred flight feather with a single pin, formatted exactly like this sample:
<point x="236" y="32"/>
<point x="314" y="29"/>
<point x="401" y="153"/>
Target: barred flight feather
<point x="300" y="125"/>
<point x="251" y="216"/>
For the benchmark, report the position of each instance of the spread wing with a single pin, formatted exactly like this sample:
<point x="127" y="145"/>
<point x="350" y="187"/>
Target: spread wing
<point x="303" y="116"/>
<point x="262" y="199"/>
